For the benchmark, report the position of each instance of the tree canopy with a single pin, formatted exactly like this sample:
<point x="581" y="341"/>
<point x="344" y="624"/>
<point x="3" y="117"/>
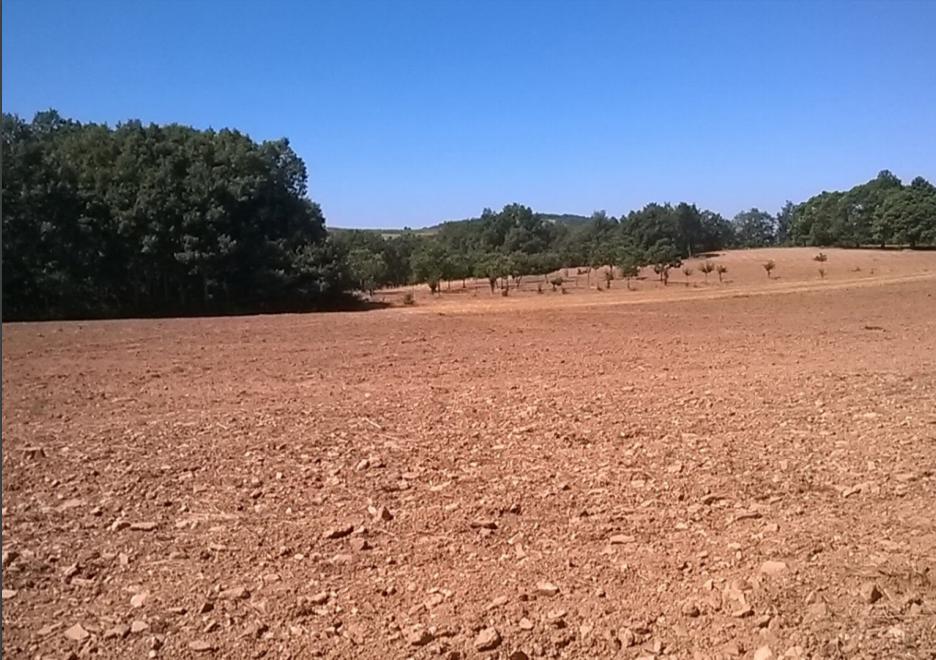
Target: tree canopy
<point x="148" y="219"/>
<point x="140" y="220"/>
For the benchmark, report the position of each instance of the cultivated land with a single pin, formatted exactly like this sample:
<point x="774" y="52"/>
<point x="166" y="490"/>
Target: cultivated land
<point x="669" y="472"/>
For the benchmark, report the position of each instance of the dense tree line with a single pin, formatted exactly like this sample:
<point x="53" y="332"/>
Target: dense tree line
<point x="507" y="245"/>
<point x="880" y="212"/>
<point x="141" y="220"/>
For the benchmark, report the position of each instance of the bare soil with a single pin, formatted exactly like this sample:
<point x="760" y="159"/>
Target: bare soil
<point x="745" y="469"/>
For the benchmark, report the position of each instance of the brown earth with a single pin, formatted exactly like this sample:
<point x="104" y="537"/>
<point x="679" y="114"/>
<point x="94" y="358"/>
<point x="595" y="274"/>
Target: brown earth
<point x="698" y="471"/>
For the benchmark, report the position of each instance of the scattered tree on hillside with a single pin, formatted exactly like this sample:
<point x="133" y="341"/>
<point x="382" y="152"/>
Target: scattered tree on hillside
<point x="721" y="269"/>
<point x="628" y="261"/>
<point x="367" y="268"/>
<point x="687" y="271"/>
<point x="429" y="265"/>
<point x="769" y="265"/>
<point x="664" y="256"/>
<point x="706" y="267"/>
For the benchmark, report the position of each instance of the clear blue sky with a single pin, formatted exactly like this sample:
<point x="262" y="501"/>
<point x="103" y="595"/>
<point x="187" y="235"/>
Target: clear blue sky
<point x="409" y="112"/>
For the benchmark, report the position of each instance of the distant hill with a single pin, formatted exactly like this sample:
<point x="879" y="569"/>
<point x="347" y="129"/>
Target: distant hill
<point x="569" y="219"/>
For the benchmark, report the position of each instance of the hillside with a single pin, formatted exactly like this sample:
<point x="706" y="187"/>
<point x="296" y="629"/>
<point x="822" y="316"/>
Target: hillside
<point x="569" y="219"/>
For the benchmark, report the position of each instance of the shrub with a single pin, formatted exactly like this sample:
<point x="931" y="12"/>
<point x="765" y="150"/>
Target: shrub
<point x="556" y="282"/>
<point x="408" y="298"/>
<point x="769" y="265"/>
<point x="822" y="257"/>
<point x="721" y="269"/>
<point x="539" y="288"/>
<point x="822" y="273"/>
<point x="706" y="268"/>
<point x="687" y="272"/>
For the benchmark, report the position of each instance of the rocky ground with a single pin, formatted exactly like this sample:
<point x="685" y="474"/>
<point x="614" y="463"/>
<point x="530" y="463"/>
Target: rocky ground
<point x="737" y="476"/>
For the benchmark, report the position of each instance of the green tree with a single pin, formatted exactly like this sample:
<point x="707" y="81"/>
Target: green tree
<point x="430" y="263"/>
<point x="754" y="228"/>
<point x="368" y="269"/>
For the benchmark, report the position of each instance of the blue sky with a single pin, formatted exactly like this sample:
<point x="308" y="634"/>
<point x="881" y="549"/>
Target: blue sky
<point x="407" y="113"/>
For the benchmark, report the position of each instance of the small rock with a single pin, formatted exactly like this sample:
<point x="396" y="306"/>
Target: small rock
<point x="319" y="599"/>
<point x="557" y="617"/>
<point x="9" y="593"/>
<point x="118" y="525"/>
<point x="143" y="526"/>
<point x="9" y="556"/>
<point x="138" y="626"/>
<point x="621" y="539"/>
<point x="255" y="630"/>
<point x="380" y="513"/>
<point x="764" y="653"/>
<point x="487" y="640"/>
<point x="547" y="589"/>
<point x="201" y="646"/>
<point x="206" y="607"/>
<point x="234" y="593"/>
<point x="418" y="635"/>
<point x="483" y="524"/>
<point x="773" y="568"/>
<point x="139" y="599"/>
<point x="497" y="602"/>
<point x="77" y="633"/>
<point x="338" y="532"/>
<point x="743" y="610"/>
<point x="117" y="632"/>
<point x="870" y="593"/>
<point x="691" y="610"/>
<point x="817" y="611"/>
<point x="360" y="544"/>
<point x="627" y="637"/>
<point x="525" y="624"/>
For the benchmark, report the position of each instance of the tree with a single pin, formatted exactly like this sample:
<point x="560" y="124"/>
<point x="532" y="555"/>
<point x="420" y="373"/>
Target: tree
<point x="706" y="267"/>
<point x="368" y="269"/>
<point x="664" y="256"/>
<point x="687" y="272"/>
<point x="717" y="232"/>
<point x="784" y="222"/>
<point x="721" y="269"/>
<point x="754" y="228"/>
<point x="769" y="265"/>
<point x="491" y="267"/>
<point x="145" y="220"/>
<point x="908" y="216"/>
<point x="430" y="264"/>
